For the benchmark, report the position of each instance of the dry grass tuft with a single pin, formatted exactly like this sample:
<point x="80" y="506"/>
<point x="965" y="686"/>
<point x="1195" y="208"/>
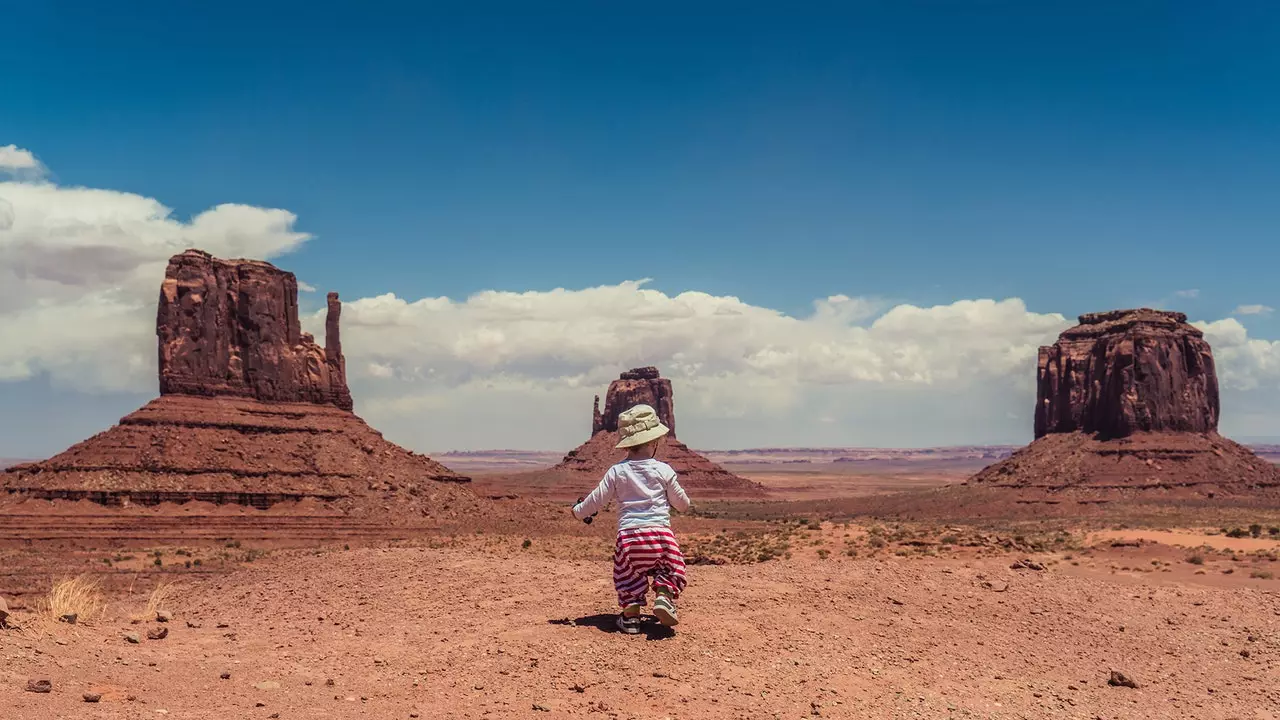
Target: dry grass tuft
<point x="79" y="596"/>
<point x="158" y="600"/>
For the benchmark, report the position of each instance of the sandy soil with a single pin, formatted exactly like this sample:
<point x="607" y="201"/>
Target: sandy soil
<point x="493" y="630"/>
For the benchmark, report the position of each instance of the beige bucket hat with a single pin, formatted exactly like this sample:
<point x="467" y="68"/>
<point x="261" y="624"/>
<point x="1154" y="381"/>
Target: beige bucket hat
<point x="638" y="426"/>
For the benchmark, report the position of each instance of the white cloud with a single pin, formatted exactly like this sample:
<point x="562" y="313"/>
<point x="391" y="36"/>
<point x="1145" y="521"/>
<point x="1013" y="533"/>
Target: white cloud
<point x="80" y="268"/>
<point x="1254" y="310"/>
<point x="15" y="159"/>
<point x="306" y="287"/>
<point x="1191" y="294"/>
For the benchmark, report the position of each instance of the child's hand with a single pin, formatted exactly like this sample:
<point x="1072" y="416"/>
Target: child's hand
<point x="589" y="518"/>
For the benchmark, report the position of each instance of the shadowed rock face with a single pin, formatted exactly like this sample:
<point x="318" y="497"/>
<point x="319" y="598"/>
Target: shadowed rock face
<point x="230" y="328"/>
<point x="635" y="387"/>
<point x="1127" y="371"/>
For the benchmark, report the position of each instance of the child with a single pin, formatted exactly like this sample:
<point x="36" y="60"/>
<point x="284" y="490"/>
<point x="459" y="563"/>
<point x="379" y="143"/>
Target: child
<point x="645" y="489"/>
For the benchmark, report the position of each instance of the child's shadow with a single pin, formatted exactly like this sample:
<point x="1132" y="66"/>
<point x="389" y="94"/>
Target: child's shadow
<point x="607" y="622"/>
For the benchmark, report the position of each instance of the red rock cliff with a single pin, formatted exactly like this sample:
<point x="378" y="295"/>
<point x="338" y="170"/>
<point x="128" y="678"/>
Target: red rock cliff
<point x="231" y="328"/>
<point x="636" y="386"/>
<point x="1127" y="371"/>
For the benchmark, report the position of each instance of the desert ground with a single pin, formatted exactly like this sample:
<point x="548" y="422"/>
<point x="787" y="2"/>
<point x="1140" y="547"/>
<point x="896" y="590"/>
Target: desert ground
<point x="797" y="607"/>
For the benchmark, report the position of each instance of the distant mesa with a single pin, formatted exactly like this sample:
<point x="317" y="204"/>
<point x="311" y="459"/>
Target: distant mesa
<point x="598" y="454"/>
<point x="231" y="329"/>
<point x="1127" y="406"/>
<point x="251" y="409"/>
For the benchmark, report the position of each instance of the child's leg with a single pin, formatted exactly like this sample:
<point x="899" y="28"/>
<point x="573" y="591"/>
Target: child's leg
<point x="630" y="581"/>
<point x="669" y="578"/>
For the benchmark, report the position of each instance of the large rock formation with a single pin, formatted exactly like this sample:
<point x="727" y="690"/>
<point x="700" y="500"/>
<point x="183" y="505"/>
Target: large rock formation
<point x="589" y="461"/>
<point x="251" y="410"/>
<point x="1127" y="371"/>
<point x="1127" y="403"/>
<point x="635" y="387"/>
<point x="231" y="328"/>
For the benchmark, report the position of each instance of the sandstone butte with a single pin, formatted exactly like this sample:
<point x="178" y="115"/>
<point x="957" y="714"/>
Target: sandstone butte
<point x="590" y="460"/>
<point x="251" y="409"/>
<point x="1127" y="406"/>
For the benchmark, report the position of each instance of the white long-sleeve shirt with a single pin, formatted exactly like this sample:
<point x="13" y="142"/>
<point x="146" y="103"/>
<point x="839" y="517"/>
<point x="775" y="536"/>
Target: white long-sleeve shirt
<point x="646" y="490"/>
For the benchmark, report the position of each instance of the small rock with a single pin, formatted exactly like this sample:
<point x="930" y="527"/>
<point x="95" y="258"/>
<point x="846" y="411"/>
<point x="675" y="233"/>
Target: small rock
<point x="192" y="625"/>
<point x="997" y="586"/>
<point x="1119" y="679"/>
<point x="163" y="616"/>
<point x="329" y="682"/>
<point x="132" y="637"/>
<point x="259" y="704"/>
<point x="1244" y="653"/>
<point x="69" y="619"/>
<point x="541" y="708"/>
<point x="268" y="685"/>
<point x="158" y="633"/>
<point x="92" y="697"/>
<point x="225" y="676"/>
<point x="39" y="686"/>
<point x="1026" y="564"/>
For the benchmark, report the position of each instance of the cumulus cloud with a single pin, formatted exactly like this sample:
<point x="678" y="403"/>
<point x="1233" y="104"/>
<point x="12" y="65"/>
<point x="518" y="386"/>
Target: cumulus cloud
<point x="1254" y="310"/>
<point x="15" y="159"/>
<point x="80" y="268"/>
<point x="744" y="373"/>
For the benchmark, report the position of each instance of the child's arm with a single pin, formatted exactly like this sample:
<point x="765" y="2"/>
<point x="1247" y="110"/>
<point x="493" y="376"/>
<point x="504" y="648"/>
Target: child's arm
<point x="598" y="498"/>
<point x="676" y="495"/>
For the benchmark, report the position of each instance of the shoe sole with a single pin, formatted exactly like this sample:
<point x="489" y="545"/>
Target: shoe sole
<point x="666" y="617"/>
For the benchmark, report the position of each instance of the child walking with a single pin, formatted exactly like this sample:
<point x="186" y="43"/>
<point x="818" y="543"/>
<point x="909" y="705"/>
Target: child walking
<point x="646" y="490"/>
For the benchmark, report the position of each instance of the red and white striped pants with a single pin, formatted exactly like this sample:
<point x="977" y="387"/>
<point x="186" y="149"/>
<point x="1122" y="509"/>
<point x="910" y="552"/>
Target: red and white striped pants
<point x="642" y="553"/>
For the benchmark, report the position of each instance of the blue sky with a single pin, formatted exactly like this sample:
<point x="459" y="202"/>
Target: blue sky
<point x="1080" y="157"/>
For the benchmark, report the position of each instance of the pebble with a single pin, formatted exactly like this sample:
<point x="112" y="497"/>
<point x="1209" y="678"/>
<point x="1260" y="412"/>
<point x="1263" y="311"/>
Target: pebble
<point x="92" y="697"/>
<point x="39" y="686"/>
<point x="164" y="616"/>
<point x="158" y="633"/>
<point x="134" y="638"/>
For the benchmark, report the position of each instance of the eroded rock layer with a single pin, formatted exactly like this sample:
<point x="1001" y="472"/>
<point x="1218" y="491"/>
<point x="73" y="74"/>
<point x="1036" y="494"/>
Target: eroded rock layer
<point x="1127" y="371"/>
<point x="231" y="328"/>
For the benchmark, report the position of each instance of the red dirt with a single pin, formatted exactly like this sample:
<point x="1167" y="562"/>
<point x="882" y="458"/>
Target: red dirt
<point x="471" y="633"/>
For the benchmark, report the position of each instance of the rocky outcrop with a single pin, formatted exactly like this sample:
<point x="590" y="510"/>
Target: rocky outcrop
<point x="252" y="411"/>
<point x="1127" y="406"/>
<point x="590" y="460"/>
<point x="635" y="387"/>
<point x="231" y="328"/>
<point x="1127" y="371"/>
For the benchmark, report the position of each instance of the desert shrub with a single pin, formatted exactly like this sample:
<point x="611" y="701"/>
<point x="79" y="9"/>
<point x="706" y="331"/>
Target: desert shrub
<point x="1261" y="574"/>
<point x="159" y="562"/>
<point x="1196" y="559"/>
<point x="1237" y="533"/>
<point x="1273" y="531"/>
<point x="823" y="553"/>
<point x="78" y="596"/>
<point x="949" y="540"/>
<point x="1255" y="530"/>
<point x="877" y="542"/>
<point x="196" y="562"/>
<point x="526" y="544"/>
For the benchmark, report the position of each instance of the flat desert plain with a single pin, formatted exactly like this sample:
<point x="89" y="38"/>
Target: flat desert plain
<point x="801" y="604"/>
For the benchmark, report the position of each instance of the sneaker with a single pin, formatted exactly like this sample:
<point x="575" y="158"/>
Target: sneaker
<point x="665" y="610"/>
<point x="629" y="625"/>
